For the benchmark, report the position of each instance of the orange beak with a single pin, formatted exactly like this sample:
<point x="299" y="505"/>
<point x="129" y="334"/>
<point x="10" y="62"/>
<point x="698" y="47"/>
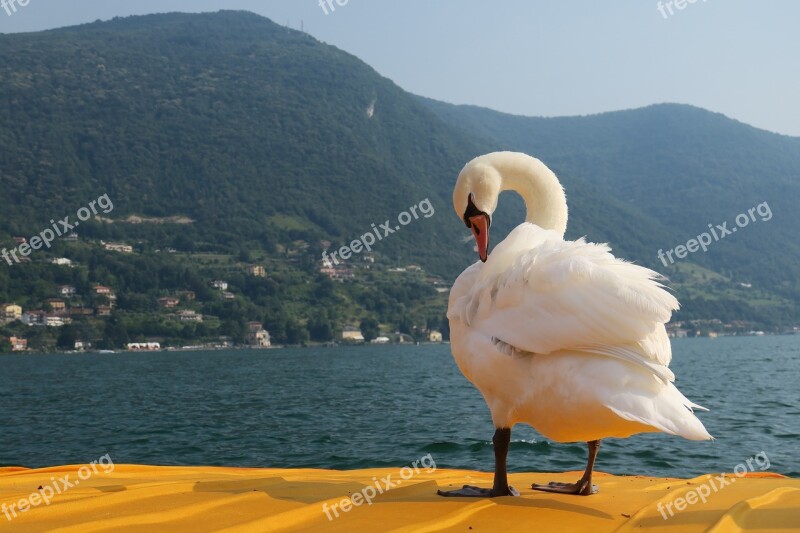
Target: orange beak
<point x="480" y="230"/>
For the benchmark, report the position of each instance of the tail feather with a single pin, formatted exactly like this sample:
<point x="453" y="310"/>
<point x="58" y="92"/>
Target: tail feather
<point x="670" y="412"/>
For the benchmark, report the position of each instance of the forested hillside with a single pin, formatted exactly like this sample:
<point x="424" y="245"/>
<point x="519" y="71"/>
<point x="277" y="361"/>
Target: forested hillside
<point x="227" y="142"/>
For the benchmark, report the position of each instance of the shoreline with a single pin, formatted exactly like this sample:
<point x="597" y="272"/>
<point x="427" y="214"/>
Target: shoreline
<point x="322" y="345"/>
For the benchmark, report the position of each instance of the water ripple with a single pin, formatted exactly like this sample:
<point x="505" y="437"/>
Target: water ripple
<point x="365" y="407"/>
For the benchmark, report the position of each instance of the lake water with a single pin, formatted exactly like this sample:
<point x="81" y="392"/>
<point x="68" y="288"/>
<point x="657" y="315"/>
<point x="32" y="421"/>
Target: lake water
<point x="369" y="406"/>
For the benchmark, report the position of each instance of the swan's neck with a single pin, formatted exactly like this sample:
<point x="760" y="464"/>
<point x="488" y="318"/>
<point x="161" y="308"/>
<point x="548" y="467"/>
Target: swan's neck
<point x="544" y="196"/>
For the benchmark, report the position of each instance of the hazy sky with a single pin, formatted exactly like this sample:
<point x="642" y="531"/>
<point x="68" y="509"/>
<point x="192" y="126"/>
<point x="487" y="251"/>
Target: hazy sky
<point x="537" y="57"/>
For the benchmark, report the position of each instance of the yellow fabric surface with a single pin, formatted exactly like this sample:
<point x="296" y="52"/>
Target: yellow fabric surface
<point x="174" y="499"/>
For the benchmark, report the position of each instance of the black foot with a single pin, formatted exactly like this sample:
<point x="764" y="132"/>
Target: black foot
<point x="581" y="488"/>
<point x="469" y="491"/>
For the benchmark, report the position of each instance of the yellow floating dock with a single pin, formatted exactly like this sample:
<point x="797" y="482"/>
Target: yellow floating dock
<point x="196" y="499"/>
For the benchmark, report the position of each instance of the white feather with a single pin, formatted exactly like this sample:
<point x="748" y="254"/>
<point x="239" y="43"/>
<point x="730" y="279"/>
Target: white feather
<point x="569" y="339"/>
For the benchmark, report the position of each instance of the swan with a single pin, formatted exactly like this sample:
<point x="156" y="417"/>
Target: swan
<point x="557" y="334"/>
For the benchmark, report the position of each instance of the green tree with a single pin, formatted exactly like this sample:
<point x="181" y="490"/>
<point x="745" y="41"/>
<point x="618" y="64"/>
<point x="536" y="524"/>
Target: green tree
<point x="296" y="333"/>
<point x="405" y="325"/>
<point x="235" y="329"/>
<point x="115" y="335"/>
<point x="67" y="337"/>
<point x="39" y="339"/>
<point x="444" y="327"/>
<point x="320" y="328"/>
<point x="276" y="321"/>
<point x="369" y="328"/>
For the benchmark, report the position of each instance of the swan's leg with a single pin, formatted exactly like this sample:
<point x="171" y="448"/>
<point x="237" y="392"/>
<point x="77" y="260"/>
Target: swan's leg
<point x="584" y="485"/>
<point x="500" y="441"/>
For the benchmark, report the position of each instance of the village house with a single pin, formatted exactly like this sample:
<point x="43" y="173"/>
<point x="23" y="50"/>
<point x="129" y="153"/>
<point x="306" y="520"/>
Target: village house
<point x="41" y="318"/>
<point x="54" y="321"/>
<point x="67" y="291"/>
<point x="118" y="247"/>
<point x="338" y="273"/>
<point x="169" y="302"/>
<point x="256" y="270"/>
<point x="56" y="305"/>
<point x="352" y="333"/>
<point x="144" y="346"/>
<point x="11" y="311"/>
<point x="103" y="310"/>
<point x="63" y="261"/>
<point x="675" y="330"/>
<point x="18" y="344"/>
<point x="188" y="315"/>
<point x="102" y="290"/>
<point x="220" y="285"/>
<point x="81" y="346"/>
<point x="257" y="335"/>
<point x="228" y="295"/>
<point x="34" y="318"/>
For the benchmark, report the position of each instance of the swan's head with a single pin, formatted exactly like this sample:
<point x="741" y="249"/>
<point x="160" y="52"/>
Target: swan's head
<point x="475" y="199"/>
<point x="481" y="181"/>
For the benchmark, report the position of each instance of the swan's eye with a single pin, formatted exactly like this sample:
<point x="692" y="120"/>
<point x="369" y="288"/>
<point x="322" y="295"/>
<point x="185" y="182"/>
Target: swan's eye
<point x="473" y="211"/>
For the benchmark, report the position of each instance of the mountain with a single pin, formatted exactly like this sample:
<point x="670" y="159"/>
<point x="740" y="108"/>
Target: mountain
<point x="225" y="140"/>
<point x="252" y="130"/>
<point x="684" y="168"/>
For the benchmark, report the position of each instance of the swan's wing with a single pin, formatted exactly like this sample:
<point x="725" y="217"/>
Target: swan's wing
<point x="567" y="295"/>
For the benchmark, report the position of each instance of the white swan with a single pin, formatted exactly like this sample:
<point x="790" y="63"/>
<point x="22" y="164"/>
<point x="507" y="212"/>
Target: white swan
<point x="558" y="334"/>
